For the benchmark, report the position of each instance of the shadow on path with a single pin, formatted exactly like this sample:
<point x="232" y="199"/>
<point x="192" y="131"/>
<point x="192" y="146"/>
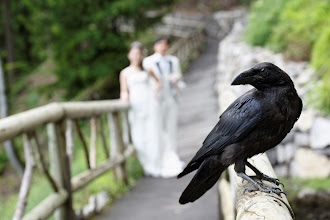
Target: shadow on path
<point x="156" y="198"/>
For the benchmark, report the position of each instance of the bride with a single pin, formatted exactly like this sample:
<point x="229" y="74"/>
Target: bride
<point x="143" y="89"/>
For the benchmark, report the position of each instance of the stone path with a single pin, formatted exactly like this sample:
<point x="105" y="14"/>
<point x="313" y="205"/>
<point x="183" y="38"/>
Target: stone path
<point x="157" y="199"/>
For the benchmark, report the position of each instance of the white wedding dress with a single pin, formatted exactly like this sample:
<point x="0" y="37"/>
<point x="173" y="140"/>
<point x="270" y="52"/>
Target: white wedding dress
<point x="155" y="156"/>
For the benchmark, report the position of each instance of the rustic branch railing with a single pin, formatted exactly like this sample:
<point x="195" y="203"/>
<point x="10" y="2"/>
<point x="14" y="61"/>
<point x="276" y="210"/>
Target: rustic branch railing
<point x="254" y="205"/>
<point x="58" y="118"/>
<point x="190" y="41"/>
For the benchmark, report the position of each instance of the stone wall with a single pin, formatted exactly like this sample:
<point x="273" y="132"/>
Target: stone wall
<point x="305" y="152"/>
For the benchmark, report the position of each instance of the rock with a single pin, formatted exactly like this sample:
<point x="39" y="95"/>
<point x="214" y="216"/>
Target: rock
<point x="280" y="153"/>
<point x="311" y="164"/>
<point x="305" y="120"/>
<point x="288" y="138"/>
<point x="320" y="130"/>
<point x="301" y="139"/>
<point x="281" y="170"/>
<point x="272" y="156"/>
<point x="289" y="151"/>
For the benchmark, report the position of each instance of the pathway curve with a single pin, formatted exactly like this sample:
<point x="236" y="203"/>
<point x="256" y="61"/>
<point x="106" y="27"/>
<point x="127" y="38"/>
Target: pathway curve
<point x="156" y="198"/>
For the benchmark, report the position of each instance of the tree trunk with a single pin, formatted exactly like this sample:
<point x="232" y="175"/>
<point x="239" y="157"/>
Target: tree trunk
<point x="8" y="39"/>
<point x="14" y="161"/>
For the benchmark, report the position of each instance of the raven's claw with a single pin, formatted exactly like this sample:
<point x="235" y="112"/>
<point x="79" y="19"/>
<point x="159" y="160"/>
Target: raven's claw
<point x="263" y="188"/>
<point x="269" y="179"/>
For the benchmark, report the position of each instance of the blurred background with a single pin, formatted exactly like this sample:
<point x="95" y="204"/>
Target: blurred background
<point x="55" y="50"/>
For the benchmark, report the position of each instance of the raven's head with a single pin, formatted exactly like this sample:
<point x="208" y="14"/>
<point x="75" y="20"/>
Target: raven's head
<point x="263" y="75"/>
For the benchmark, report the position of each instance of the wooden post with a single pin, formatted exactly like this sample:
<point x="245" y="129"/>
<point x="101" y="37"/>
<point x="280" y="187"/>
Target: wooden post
<point x="69" y="139"/>
<point x="60" y="167"/>
<point x="92" y="150"/>
<point x="117" y="144"/>
<point x="126" y="129"/>
<point x="26" y="180"/>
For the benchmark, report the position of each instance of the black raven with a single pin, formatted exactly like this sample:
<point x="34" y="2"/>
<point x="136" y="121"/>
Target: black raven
<point x="252" y="124"/>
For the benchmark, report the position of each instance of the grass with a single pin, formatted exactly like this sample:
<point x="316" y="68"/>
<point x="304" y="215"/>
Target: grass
<point x="41" y="188"/>
<point x="295" y="184"/>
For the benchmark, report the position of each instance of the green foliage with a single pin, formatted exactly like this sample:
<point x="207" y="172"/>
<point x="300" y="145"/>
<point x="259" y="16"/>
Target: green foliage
<point x="263" y="17"/>
<point x="320" y="96"/>
<point x="300" y="24"/>
<point x="299" y="29"/>
<point x="87" y="42"/>
<point x="84" y="38"/>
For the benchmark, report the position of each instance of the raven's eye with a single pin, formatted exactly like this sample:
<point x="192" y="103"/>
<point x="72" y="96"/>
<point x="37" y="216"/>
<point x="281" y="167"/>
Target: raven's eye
<point x="263" y="69"/>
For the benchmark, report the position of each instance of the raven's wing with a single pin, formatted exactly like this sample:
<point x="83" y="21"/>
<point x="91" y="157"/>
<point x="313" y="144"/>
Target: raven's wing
<point x="234" y="124"/>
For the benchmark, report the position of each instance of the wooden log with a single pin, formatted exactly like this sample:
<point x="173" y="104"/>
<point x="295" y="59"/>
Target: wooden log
<point x="84" y="144"/>
<point x="103" y="139"/>
<point x="92" y="150"/>
<point x="29" y="120"/>
<point x="60" y="167"/>
<point x="89" y="109"/>
<point x="26" y="180"/>
<point x="117" y="144"/>
<point x="46" y="208"/>
<point x="87" y="176"/>
<point x="259" y="205"/>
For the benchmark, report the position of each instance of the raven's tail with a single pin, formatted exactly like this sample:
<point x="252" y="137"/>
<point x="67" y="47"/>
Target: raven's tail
<point x="207" y="175"/>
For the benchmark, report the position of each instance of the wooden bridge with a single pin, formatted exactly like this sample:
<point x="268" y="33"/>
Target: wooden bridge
<point x="150" y="198"/>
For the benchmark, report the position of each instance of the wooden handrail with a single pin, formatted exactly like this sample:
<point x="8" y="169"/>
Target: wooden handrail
<point x="252" y="205"/>
<point x="29" y="120"/>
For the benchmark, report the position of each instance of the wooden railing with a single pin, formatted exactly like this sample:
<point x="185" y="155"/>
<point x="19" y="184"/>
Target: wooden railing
<point x="235" y="203"/>
<point x="58" y="119"/>
<point x="190" y="41"/>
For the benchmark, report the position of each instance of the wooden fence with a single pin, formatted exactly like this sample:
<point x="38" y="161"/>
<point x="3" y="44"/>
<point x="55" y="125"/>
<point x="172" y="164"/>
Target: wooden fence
<point x="59" y="119"/>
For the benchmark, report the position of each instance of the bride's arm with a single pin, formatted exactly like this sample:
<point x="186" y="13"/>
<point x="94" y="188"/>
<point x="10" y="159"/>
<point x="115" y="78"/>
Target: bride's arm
<point x="124" y="93"/>
<point x="159" y="83"/>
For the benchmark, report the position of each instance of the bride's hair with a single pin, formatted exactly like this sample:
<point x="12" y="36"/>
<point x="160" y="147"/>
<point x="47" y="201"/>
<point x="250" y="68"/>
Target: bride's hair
<point x="137" y="44"/>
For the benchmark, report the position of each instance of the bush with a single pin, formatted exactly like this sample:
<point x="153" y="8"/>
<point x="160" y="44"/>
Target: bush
<point x="299" y="29"/>
<point x="300" y="24"/>
<point x="320" y="96"/>
<point x="263" y="17"/>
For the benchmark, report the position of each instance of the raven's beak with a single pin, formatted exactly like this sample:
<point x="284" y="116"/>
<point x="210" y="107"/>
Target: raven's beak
<point x="246" y="77"/>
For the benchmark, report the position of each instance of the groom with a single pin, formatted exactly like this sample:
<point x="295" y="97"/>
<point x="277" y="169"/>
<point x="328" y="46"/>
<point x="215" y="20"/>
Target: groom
<point x="167" y="69"/>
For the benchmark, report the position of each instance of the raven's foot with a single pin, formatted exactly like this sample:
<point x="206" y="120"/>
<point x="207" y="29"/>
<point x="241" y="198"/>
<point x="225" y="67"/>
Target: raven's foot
<point x="268" y="179"/>
<point x="262" y="188"/>
<point x="259" y="186"/>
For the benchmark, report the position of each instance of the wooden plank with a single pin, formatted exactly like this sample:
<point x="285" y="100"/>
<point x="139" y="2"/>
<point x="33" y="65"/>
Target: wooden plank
<point x="46" y="208"/>
<point x="259" y="205"/>
<point x="86" y="177"/>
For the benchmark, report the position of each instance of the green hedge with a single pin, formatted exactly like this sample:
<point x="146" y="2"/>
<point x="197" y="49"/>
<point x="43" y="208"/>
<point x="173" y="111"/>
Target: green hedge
<point x="301" y="30"/>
